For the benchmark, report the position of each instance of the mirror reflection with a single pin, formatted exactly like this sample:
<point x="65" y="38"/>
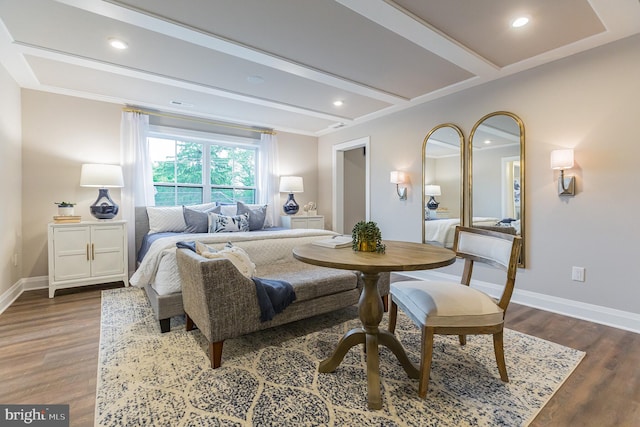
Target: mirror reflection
<point x="496" y="176"/>
<point x="442" y="184"/>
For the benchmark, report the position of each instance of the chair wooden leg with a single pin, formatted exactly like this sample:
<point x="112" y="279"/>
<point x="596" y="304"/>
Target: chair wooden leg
<point x="425" y="361"/>
<point x="393" y="316"/>
<point x="463" y="339"/>
<point x="188" y="322"/>
<point x="385" y="303"/>
<point x="215" y="354"/>
<point x="499" y="350"/>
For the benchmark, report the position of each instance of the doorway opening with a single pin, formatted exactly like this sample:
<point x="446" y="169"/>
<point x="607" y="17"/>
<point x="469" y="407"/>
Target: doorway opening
<point x="351" y="195"/>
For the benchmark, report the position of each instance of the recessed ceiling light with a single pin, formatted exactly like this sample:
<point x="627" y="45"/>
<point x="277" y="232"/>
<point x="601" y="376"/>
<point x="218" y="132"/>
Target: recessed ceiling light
<point x="118" y="44"/>
<point x="338" y="103"/>
<point x="487" y="141"/>
<point x="520" y="22"/>
<point x="255" y="79"/>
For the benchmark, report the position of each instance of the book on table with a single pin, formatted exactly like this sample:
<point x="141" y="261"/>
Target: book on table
<point x="66" y="219"/>
<point x="334" y="242"/>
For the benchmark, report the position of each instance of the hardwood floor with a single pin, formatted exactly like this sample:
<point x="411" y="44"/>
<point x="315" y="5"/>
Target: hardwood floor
<point x="49" y="355"/>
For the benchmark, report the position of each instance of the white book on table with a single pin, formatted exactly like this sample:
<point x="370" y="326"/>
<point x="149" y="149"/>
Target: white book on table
<point x="334" y="242"/>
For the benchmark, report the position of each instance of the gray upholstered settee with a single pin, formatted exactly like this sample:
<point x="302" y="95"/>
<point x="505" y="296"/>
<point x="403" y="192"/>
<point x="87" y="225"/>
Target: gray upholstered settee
<point x="223" y="303"/>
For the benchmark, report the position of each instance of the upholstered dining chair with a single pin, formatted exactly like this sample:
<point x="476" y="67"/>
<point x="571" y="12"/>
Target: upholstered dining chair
<point x="449" y="308"/>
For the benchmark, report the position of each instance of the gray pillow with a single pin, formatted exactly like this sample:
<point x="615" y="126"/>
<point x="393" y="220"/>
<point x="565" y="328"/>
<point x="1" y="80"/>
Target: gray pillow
<point x="257" y="215"/>
<point x="197" y="221"/>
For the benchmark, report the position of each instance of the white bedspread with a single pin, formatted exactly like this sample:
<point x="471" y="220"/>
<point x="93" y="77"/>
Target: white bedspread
<point x="443" y="230"/>
<point x="436" y="230"/>
<point x="159" y="267"/>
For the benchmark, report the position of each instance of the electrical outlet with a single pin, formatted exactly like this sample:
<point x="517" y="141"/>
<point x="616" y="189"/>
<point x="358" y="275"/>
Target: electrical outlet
<point x="577" y="274"/>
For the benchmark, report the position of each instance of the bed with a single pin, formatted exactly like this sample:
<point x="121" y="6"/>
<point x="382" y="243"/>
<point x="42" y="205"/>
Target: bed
<point x="157" y="267"/>
<point x="158" y="230"/>
<point x="442" y="231"/>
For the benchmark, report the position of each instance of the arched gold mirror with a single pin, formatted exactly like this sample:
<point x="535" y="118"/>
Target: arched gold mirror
<point x="442" y="184"/>
<point x="496" y="174"/>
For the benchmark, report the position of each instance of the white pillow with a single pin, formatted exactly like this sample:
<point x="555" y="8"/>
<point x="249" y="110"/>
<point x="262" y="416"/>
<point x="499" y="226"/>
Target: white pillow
<point x="170" y="218"/>
<point x="223" y="224"/>
<point x="238" y="257"/>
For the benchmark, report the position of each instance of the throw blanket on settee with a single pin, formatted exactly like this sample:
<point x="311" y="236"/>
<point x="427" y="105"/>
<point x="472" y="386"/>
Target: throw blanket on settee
<point x="273" y="296"/>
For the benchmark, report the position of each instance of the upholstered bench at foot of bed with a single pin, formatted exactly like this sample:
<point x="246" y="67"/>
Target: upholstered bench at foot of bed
<point x="223" y="304"/>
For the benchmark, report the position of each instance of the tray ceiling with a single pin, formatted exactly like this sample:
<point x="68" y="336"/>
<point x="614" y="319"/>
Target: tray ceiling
<point x="281" y="63"/>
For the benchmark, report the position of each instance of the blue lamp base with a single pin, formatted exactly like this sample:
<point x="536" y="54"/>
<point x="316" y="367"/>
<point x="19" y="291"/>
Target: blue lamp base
<point x="291" y="207"/>
<point x="432" y="204"/>
<point x="104" y="207"/>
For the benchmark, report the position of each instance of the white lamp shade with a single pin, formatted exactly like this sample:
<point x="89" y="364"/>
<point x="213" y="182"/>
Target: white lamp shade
<point x="291" y="184"/>
<point x="562" y="159"/>
<point x="397" y="177"/>
<point x="432" y="190"/>
<point x="95" y="175"/>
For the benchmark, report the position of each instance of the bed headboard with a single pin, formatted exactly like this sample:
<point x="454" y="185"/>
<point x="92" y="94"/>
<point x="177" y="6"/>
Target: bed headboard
<point x="142" y="225"/>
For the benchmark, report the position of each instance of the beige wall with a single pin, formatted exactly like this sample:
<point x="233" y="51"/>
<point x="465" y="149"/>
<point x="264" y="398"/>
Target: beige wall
<point x="11" y="178"/>
<point x="60" y="133"/>
<point x="298" y="156"/>
<point x="588" y="101"/>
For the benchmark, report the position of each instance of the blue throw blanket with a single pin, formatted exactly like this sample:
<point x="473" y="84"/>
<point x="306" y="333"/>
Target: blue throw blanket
<point x="273" y="296"/>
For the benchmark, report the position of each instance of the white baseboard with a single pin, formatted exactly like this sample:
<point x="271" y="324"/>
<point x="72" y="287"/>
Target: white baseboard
<point x="579" y="310"/>
<point x="10" y="295"/>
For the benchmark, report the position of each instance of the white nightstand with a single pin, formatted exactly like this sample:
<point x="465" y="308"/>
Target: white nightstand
<point x="87" y="253"/>
<point x="303" y="221"/>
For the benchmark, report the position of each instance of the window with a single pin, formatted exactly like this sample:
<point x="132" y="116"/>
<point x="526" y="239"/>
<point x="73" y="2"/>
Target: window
<point x="194" y="167"/>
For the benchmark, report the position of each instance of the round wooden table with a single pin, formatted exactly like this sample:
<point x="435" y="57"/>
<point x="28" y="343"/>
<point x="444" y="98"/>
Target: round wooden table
<point x="399" y="256"/>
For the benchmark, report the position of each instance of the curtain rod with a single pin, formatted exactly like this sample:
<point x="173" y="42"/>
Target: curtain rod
<point x="195" y="119"/>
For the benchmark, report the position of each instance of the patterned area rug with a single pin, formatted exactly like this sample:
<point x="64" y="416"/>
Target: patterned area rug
<point x="270" y="378"/>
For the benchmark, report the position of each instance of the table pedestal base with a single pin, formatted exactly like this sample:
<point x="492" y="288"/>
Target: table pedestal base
<point x="370" y="311"/>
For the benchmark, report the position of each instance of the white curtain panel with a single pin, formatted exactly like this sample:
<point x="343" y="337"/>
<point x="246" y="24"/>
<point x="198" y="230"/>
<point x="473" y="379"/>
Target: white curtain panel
<point x="268" y="178"/>
<point x="138" y="187"/>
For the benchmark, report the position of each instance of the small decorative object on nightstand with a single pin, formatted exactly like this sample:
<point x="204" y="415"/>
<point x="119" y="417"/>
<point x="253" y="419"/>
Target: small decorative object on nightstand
<point x="291" y="184"/>
<point x="102" y="176"/>
<point x="310" y="209"/>
<point x="65" y="213"/>
<point x="65" y="208"/>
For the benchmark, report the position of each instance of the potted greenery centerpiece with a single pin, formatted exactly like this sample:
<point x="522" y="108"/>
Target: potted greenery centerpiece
<point x="367" y="237"/>
<point x="65" y="208"/>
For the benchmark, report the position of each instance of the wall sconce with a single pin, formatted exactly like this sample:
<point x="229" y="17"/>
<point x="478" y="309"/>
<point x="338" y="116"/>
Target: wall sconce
<point x="397" y="178"/>
<point x="431" y="191"/>
<point x="563" y="159"/>
<point x="291" y="184"/>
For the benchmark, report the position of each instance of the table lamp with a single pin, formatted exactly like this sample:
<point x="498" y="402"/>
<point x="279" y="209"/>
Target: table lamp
<point x="291" y="184"/>
<point x="103" y="177"/>
<point x="431" y="191"/>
